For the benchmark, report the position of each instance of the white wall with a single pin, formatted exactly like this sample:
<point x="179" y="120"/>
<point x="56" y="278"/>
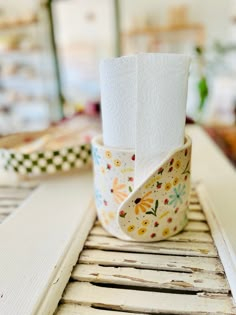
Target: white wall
<point x="73" y="24"/>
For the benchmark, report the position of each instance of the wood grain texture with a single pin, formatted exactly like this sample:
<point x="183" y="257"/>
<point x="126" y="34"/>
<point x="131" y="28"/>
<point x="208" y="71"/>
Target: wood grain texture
<point x="45" y="228"/>
<point x="126" y="276"/>
<point x="219" y="178"/>
<point x="186" y="236"/>
<point x="73" y="309"/>
<point x="163" y="247"/>
<point x="195" y="207"/>
<point x="152" y="261"/>
<point x="226" y="252"/>
<point x="146" y="302"/>
<point x="197" y="226"/>
<point x="196" y="216"/>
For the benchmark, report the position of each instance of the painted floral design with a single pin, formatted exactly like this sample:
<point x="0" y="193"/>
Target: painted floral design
<point x="156" y="210"/>
<point x="108" y="154"/>
<point x="130" y="228"/>
<point x="107" y="217"/>
<point x="143" y="203"/>
<point x="175" y="181"/>
<point x="166" y="232"/>
<point x="177" y="196"/>
<point x="177" y="164"/>
<point x="142" y="231"/>
<point x="153" y="211"/>
<point x="118" y="191"/>
<point x="187" y="169"/>
<point x="159" y="184"/>
<point x="122" y="213"/>
<point x="96" y="156"/>
<point x="98" y="198"/>
<point x="145" y="222"/>
<point x="168" y="186"/>
<point x="117" y="163"/>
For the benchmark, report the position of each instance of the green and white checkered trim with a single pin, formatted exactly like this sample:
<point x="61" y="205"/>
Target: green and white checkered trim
<point x="46" y="162"/>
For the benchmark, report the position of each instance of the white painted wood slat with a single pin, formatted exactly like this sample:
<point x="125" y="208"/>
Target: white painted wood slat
<point x="197" y="226"/>
<point x="196" y="216"/>
<point x="218" y="176"/>
<point x="146" y="302"/>
<point x="152" y="261"/>
<point x="194" y="282"/>
<point x="49" y="232"/>
<point x="73" y="309"/>
<point x="187" y="236"/>
<point x="195" y="207"/>
<point x="163" y="247"/>
<point x="191" y="226"/>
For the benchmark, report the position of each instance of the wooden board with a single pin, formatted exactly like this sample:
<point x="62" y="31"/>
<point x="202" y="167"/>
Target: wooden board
<point x="146" y="301"/>
<point x="182" y="275"/>
<point x="188" y="236"/>
<point x="73" y="309"/>
<point x="129" y="276"/>
<point x="218" y="176"/>
<point x="164" y="247"/>
<point x="151" y="261"/>
<point x="36" y="263"/>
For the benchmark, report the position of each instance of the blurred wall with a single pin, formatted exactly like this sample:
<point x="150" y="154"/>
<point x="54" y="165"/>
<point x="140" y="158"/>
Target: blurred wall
<point x="214" y="14"/>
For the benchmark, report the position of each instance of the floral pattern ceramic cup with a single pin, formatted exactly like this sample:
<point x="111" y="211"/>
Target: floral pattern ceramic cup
<point x="155" y="210"/>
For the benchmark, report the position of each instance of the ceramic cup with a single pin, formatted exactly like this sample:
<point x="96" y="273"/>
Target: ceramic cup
<point x="154" y="210"/>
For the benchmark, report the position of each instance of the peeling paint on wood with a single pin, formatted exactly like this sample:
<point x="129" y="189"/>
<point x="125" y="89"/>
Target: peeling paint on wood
<point x="151" y="278"/>
<point x="151" y="261"/>
<point x="146" y="302"/>
<point x="163" y="247"/>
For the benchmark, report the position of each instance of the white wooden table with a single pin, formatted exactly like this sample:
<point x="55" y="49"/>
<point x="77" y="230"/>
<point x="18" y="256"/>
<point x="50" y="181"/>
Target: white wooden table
<point x="47" y="235"/>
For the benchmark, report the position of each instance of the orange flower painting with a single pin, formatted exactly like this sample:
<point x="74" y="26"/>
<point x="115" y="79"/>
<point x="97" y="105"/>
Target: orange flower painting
<point x="118" y="191"/>
<point x="143" y="203"/>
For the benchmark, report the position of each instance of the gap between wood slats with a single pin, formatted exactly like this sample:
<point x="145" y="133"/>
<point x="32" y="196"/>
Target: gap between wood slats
<point x="11" y="198"/>
<point x="197" y="226"/>
<point x="87" y="294"/>
<point x="191" y="226"/>
<point x="126" y="276"/>
<point x="195" y="207"/>
<point x="163" y="247"/>
<point x="73" y="309"/>
<point x="186" y="236"/>
<point x="196" y="216"/>
<point x="152" y="261"/>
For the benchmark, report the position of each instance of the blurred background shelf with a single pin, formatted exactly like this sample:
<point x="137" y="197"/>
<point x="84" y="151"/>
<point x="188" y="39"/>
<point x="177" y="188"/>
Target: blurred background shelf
<point x="50" y="52"/>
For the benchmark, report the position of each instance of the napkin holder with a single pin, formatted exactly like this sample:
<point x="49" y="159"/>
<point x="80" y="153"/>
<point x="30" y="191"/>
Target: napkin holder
<point x="154" y="210"/>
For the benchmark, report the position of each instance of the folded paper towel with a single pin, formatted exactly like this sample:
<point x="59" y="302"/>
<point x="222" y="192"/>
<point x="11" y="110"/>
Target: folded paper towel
<point x="119" y="101"/>
<point x="143" y="101"/>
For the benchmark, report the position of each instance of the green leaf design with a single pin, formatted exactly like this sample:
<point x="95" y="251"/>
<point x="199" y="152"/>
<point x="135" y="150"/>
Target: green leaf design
<point x="186" y="170"/>
<point x="154" y="210"/>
